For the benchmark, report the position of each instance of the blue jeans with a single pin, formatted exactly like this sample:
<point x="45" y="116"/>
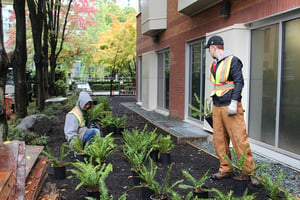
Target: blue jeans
<point x="89" y="135"/>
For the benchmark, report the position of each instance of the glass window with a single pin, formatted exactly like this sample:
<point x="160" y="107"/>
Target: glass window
<point x="274" y="94"/>
<point x="264" y="62"/>
<point x="163" y="79"/>
<point x="289" y="128"/>
<point x="140" y="78"/>
<point x="197" y="73"/>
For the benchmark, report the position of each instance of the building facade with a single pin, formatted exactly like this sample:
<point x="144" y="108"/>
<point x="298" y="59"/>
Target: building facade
<point x="173" y="65"/>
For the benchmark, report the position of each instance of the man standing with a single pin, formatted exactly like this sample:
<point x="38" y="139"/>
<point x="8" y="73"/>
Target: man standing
<point x="76" y="120"/>
<point x="228" y="113"/>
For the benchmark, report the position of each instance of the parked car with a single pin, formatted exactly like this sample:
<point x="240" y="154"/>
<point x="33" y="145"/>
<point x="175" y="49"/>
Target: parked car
<point x="82" y="87"/>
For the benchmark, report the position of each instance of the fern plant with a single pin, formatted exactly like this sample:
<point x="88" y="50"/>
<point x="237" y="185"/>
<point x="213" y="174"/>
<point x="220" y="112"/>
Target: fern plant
<point x="165" y="144"/>
<point x="135" y="158"/>
<point x="159" y="189"/>
<point x="101" y="147"/>
<point x="272" y="187"/>
<point x="107" y="121"/>
<point x="139" y="140"/>
<point x="196" y="185"/>
<point x="59" y="160"/>
<point x="229" y="195"/>
<point x="89" y="174"/>
<point x="77" y="145"/>
<point x="204" y="110"/>
<point x="120" y="122"/>
<point x="240" y="169"/>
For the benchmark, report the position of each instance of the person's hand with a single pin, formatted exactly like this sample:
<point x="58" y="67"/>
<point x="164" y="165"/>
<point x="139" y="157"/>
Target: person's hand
<point x="232" y="108"/>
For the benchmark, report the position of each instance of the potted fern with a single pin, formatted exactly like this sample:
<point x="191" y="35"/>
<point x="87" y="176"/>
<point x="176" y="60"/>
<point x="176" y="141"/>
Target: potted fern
<point x="197" y="186"/>
<point x="58" y="163"/>
<point x="107" y="124"/>
<point x="90" y="175"/>
<point x="230" y="195"/>
<point x="78" y="148"/>
<point x="160" y="190"/>
<point x="120" y="123"/>
<point x="204" y="110"/>
<point x="165" y="146"/>
<point x="101" y="148"/>
<point x="273" y="188"/>
<point x="240" y="171"/>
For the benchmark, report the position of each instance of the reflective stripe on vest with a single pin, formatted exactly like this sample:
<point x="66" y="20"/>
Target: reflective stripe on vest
<point x="221" y="83"/>
<point x="77" y="112"/>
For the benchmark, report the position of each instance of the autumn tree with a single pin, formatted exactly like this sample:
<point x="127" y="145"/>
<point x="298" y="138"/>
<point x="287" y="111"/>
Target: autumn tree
<point x="56" y="34"/>
<point x="116" y="47"/>
<point x="3" y="72"/>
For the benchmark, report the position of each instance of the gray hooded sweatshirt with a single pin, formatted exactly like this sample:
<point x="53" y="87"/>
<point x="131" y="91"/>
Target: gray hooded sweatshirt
<point x="72" y="127"/>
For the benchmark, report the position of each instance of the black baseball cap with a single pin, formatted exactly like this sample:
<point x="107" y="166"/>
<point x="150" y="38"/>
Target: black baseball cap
<point x="214" y="40"/>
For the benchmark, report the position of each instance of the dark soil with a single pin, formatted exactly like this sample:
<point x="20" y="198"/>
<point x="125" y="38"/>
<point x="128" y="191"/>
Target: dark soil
<point x="184" y="157"/>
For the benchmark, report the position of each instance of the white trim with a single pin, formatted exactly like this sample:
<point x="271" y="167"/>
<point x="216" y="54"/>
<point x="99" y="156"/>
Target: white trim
<point x="162" y="112"/>
<point x="278" y="157"/>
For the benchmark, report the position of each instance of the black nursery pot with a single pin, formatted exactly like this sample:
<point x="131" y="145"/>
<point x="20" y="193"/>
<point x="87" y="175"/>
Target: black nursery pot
<point x="59" y="172"/>
<point x="154" y="155"/>
<point x="209" y="120"/>
<point x="135" y="178"/>
<point x="119" y="131"/>
<point x="81" y="157"/>
<point x="158" y="197"/>
<point x="201" y="194"/>
<point x="94" y="194"/>
<point x="104" y="131"/>
<point x="165" y="158"/>
<point x="239" y="186"/>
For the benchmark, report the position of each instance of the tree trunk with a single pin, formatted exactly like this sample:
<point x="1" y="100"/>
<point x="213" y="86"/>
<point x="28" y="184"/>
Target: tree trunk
<point x="19" y="59"/>
<point x="55" y="34"/>
<point x="3" y="72"/>
<point x="45" y="59"/>
<point x="36" y="14"/>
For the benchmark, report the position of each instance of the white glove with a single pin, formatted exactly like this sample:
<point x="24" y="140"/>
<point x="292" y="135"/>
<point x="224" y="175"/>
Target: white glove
<point x="232" y="108"/>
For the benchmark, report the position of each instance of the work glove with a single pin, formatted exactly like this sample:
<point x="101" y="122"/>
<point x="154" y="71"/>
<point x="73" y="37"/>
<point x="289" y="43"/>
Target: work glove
<point x="232" y="108"/>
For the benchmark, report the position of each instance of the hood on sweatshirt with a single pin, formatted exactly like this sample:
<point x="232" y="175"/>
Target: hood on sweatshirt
<point x="83" y="99"/>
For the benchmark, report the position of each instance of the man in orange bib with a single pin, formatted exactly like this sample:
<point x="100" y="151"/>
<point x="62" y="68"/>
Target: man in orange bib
<point x="228" y="114"/>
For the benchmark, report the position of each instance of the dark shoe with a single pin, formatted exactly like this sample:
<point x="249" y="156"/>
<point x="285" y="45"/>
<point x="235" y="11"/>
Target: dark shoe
<point x="254" y="182"/>
<point x="220" y="175"/>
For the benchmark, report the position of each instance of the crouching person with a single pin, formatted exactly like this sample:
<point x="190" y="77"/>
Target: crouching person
<point x="77" y="119"/>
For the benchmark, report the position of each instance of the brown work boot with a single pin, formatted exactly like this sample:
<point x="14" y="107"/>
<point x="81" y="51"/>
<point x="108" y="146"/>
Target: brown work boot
<point x="254" y="182"/>
<point x="220" y="175"/>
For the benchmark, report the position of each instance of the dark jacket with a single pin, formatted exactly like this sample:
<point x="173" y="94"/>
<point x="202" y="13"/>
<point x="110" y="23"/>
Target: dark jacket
<point x="235" y="75"/>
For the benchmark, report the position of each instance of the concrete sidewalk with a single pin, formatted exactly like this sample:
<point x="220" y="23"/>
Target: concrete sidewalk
<point x="181" y="130"/>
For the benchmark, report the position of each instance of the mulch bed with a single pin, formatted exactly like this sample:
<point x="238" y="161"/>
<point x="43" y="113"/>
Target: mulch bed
<point x="185" y="156"/>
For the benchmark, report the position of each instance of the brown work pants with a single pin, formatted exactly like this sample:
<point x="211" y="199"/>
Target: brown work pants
<point x="226" y="128"/>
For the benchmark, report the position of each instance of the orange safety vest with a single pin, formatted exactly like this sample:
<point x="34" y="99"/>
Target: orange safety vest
<point x="220" y="81"/>
<point x="78" y="114"/>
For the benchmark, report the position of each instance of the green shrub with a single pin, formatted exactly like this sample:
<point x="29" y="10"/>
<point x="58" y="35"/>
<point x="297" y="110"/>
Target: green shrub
<point x="29" y="137"/>
<point x="61" y="88"/>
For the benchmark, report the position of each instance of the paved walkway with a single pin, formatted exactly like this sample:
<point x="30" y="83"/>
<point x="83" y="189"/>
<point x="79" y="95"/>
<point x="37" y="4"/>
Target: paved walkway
<point x="185" y="131"/>
<point x="180" y="129"/>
